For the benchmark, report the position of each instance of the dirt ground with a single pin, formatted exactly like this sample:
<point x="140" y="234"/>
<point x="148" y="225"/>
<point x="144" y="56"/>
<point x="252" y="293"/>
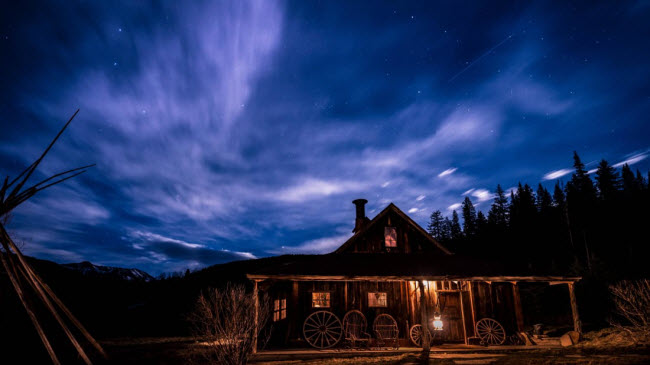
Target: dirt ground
<point x="595" y="350"/>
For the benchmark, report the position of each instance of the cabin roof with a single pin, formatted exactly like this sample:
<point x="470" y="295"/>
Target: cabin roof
<point x="391" y="207"/>
<point x="399" y="266"/>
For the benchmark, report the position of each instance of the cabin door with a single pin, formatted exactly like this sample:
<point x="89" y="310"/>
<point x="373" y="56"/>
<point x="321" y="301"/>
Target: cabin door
<point x="452" y="317"/>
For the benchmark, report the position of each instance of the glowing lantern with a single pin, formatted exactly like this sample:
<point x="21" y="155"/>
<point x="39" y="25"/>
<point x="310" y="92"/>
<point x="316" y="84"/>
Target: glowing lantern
<point x="437" y="322"/>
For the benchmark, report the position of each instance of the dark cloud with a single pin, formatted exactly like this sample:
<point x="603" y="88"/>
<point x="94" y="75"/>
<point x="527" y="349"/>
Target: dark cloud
<point x="224" y="130"/>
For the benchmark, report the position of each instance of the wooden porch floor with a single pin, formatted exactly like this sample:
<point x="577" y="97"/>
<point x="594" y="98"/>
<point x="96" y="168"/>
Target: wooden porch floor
<point x="443" y="351"/>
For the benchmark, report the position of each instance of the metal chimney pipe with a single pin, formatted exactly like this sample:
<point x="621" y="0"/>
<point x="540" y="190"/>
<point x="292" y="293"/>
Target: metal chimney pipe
<point x="361" y="214"/>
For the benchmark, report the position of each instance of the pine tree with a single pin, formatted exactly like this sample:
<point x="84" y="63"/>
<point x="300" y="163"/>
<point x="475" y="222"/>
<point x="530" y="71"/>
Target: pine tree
<point x="481" y="224"/>
<point x="640" y="181"/>
<point x="498" y="214"/>
<point x="469" y="217"/>
<point x="445" y="235"/>
<point x="559" y="199"/>
<point x="455" y="230"/>
<point x="629" y="181"/>
<point x="435" y="224"/>
<point x="580" y="181"/>
<point x="544" y="200"/>
<point x="607" y="181"/>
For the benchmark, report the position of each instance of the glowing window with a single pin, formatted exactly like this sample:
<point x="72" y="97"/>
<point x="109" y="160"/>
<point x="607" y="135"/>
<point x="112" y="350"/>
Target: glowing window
<point x="377" y="299"/>
<point x="279" y="309"/>
<point x="390" y="236"/>
<point x="320" y="300"/>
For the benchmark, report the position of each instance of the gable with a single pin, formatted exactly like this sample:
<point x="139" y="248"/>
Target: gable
<point x="403" y="233"/>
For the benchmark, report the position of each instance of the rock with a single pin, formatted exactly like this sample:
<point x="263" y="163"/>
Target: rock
<point x="570" y="338"/>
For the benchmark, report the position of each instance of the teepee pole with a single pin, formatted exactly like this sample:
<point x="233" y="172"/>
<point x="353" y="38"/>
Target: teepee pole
<point x="32" y="316"/>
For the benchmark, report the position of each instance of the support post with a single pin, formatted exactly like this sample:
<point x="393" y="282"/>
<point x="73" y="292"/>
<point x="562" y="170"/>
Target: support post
<point x="426" y="342"/>
<point x="519" y="314"/>
<point x="471" y="303"/>
<point x="462" y="316"/>
<point x="256" y="313"/>
<point x="577" y="326"/>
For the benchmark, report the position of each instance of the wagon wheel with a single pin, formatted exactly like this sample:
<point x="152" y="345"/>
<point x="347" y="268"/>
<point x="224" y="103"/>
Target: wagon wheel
<point x="416" y="335"/>
<point x="322" y="329"/>
<point x="490" y="331"/>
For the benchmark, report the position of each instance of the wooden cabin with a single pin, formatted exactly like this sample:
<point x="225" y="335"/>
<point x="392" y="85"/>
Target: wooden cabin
<point x="385" y="268"/>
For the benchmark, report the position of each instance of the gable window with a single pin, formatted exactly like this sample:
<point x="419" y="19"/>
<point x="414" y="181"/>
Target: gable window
<point x="376" y="299"/>
<point x="320" y="300"/>
<point x="390" y="236"/>
<point x="279" y="309"/>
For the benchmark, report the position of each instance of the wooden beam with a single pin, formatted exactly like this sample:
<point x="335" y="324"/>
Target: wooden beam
<point x="426" y="345"/>
<point x="577" y="326"/>
<point x="345" y="295"/>
<point x="471" y="303"/>
<point x="462" y="316"/>
<point x="256" y="313"/>
<point x="488" y="279"/>
<point x="519" y="314"/>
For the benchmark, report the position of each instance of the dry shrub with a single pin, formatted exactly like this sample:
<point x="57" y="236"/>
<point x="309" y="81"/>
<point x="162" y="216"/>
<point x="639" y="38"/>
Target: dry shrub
<point x="224" y="322"/>
<point x="632" y="303"/>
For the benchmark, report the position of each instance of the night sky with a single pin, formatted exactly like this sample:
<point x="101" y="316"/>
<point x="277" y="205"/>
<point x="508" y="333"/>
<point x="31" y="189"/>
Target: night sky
<point x="224" y="131"/>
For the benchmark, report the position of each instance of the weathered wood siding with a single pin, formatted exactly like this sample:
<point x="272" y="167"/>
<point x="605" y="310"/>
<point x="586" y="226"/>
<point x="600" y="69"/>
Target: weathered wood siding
<point x="456" y="305"/>
<point x="409" y="239"/>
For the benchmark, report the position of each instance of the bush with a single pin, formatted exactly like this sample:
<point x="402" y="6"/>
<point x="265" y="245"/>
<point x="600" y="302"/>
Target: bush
<point x="632" y="305"/>
<point x="224" y="321"/>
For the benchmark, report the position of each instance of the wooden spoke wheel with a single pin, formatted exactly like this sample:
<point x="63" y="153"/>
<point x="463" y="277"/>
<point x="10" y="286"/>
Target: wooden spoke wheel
<point x="490" y="331"/>
<point x="322" y="329"/>
<point x="416" y="335"/>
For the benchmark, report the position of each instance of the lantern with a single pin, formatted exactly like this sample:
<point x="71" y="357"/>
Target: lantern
<point x="437" y="322"/>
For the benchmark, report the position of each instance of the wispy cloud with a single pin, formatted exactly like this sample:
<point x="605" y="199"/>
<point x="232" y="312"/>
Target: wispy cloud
<point x="556" y="174"/>
<point x="447" y="172"/>
<point x="632" y="160"/>
<point x="315" y="246"/>
<point x="311" y="188"/>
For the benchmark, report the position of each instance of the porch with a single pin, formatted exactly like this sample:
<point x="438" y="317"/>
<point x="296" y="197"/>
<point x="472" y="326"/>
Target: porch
<point x="465" y="301"/>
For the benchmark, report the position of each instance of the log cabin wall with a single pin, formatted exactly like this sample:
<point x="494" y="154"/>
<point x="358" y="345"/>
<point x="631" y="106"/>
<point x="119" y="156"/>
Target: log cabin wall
<point x="459" y="307"/>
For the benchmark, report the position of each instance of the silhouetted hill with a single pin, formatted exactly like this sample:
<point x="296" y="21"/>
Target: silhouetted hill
<point x="89" y="269"/>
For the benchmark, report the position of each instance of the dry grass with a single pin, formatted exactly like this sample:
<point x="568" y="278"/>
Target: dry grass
<point x="615" y="338"/>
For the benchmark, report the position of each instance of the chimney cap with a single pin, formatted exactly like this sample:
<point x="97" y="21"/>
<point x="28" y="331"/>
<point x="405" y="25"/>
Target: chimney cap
<point x="359" y="201"/>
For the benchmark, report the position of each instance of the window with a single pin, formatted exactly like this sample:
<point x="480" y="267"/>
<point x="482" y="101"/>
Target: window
<point x="279" y="309"/>
<point x="377" y="300"/>
<point x="320" y="300"/>
<point x="390" y="236"/>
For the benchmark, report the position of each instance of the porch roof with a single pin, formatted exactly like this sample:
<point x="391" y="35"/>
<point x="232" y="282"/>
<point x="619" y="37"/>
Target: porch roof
<point x="397" y="267"/>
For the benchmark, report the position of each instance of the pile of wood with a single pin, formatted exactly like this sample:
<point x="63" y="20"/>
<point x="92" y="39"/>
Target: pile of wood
<point x="26" y="282"/>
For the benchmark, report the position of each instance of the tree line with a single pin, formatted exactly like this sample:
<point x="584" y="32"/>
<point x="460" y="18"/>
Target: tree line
<point x="589" y="226"/>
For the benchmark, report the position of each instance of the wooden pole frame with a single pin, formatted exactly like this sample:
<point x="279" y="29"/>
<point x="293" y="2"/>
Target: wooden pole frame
<point x="519" y="313"/>
<point x="426" y="344"/>
<point x="577" y="325"/>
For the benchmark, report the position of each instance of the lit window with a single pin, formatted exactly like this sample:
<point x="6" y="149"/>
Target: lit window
<point x="390" y="236"/>
<point x="320" y="300"/>
<point x="279" y="309"/>
<point x="377" y="300"/>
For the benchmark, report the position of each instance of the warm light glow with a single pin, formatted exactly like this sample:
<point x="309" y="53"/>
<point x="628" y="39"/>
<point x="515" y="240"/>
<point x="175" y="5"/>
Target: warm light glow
<point x="437" y="323"/>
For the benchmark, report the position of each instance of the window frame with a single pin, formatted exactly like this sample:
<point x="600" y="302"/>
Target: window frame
<point x="327" y="298"/>
<point x="377" y="300"/>
<point x="279" y="309"/>
<point x="387" y="235"/>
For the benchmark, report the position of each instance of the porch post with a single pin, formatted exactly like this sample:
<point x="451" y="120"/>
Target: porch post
<point x="426" y="345"/>
<point x="577" y="326"/>
<point x="519" y="314"/>
<point x="256" y="313"/>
